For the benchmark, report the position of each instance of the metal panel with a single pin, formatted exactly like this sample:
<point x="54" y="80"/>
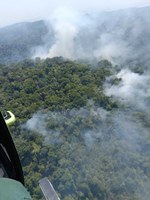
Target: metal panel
<point x="48" y="189"/>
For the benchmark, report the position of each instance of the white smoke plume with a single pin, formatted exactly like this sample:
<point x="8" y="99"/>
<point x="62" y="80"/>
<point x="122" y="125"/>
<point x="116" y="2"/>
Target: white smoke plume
<point x="117" y="36"/>
<point x="65" y="32"/>
<point x="38" y="124"/>
<point x="133" y="89"/>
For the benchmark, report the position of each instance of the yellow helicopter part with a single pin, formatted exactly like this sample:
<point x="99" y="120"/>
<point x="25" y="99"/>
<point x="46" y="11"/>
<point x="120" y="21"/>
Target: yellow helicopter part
<point x="11" y="120"/>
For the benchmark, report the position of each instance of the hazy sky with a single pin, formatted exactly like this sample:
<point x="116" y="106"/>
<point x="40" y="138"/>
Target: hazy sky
<point x="12" y="11"/>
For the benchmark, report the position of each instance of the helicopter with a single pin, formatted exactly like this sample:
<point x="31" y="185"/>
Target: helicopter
<point x="11" y="173"/>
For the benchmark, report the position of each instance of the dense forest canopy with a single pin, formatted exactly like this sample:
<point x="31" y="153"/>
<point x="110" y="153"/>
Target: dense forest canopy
<point x="79" y="88"/>
<point x="90" y="142"/>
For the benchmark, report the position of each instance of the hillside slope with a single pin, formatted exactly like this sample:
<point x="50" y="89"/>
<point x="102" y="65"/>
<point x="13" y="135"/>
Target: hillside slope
<point x="119" y="36"/>
<point x="88" y="144"/>
<point x="18" y="40"/>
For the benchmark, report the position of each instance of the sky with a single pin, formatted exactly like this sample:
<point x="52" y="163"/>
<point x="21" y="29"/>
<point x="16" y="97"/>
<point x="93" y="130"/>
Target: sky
<point x="14" y="11"/>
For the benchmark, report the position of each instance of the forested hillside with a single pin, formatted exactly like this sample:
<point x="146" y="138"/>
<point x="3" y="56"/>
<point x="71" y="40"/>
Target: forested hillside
<point x="18" y="41"/>
<point x="88" y="144"/>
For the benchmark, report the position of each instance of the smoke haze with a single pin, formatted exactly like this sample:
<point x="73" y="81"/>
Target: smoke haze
<point x="120" y="135"/>
<point x="30" y="10"/>
<point x="116" y="142"/>
<point x="106" y="142"/>
<point x="119" y="36"/>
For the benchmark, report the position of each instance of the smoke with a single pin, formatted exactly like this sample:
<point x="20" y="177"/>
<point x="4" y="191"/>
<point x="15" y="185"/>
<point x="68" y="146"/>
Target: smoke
<point x="109" y="145"/>
<point x="65" y="32"/>
<point x="118" y="36"/>
<point x="39" y="124"/>
<point x="132" y="89"/>
<point x="112" y="146"/>
<point x="55" y="124"/>
<point x="62" y="32"/>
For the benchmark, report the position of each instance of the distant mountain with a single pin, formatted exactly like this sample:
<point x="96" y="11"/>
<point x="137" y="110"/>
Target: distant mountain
<point x="122" y="36"/>
<point x="18" y="40"/>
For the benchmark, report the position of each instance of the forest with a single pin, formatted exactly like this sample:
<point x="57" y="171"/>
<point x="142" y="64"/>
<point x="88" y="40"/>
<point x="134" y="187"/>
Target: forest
<point x="89" y="144"/>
